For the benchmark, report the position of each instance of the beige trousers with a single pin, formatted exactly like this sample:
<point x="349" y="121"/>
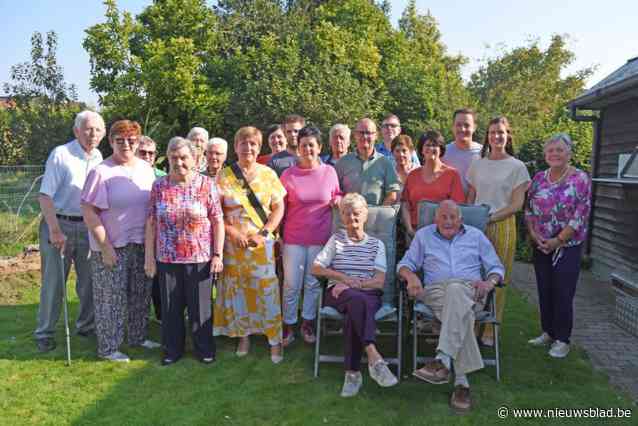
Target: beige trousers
<point x="453" y="304"/>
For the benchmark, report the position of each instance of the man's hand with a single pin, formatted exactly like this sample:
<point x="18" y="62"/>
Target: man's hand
<point x="482" y="289"/>
<point x="352" y="282"/>
<point x="57" y="239"/>
<point x="415" y="289"/>
<point x="337" y="289"/>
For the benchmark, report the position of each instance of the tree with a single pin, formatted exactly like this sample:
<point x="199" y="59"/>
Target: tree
<point x="44" y="106"/>
<point x="181" y="63"/>
<point x="526" y="85"/>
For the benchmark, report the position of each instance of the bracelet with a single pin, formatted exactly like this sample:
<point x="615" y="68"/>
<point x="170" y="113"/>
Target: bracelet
<point x="216" y="255"/>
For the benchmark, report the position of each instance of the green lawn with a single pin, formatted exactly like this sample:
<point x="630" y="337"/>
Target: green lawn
<point x="39" y="389"/>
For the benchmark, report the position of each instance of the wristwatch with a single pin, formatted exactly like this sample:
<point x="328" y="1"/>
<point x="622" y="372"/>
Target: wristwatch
<point x="216" y="255"/>
<point x="264" y="232"/>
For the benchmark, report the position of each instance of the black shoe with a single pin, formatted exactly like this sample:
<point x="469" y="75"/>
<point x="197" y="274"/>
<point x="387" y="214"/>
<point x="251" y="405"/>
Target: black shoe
<point x="85" y="333"/>
<point x="169" y="361"/>
<point x="45" y="344"/>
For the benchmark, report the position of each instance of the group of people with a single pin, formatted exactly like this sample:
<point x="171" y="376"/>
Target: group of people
<point x="136" y="234"/>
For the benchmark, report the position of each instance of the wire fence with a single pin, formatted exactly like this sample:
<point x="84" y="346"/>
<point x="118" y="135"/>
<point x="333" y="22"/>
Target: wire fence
<point x="19" y="208"/>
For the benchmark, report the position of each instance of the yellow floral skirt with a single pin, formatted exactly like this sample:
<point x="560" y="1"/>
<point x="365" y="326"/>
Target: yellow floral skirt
<point x="248" y="300"/>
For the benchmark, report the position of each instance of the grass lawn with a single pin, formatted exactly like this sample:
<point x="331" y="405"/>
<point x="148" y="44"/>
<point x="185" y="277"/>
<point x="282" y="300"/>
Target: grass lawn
<point x="39" y="389"/>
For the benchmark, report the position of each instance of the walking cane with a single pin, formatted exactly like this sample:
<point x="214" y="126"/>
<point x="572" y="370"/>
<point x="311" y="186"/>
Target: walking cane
<point x="66" y="311"/>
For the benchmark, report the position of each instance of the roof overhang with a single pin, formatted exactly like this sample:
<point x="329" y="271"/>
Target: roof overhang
<point x="612" y="94"/>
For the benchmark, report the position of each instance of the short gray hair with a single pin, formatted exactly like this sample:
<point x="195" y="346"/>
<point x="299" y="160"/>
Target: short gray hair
<point x="81" y="118"/>
<point x="144" y="140"/>
<point x="339" y="127"/>
<point x="197" y="131"/>
<point x="560" y="137"/>
<point x="217" y="141"/>
<point x="179" y="142"/>
<point x="351" y="201"/>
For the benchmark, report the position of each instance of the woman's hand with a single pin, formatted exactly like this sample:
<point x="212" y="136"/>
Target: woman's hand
<point x="238" y="238"/>
<point x="109" y="257"/>
<point x="216" y="265"/>
<point x="337" y="289"/>
<point x="150" y="267"/>
<point x="550" y="245"/>
<point x="256" y="240"/>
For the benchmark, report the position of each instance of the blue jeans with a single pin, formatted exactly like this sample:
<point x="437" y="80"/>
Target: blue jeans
<point x="297" y="262"/>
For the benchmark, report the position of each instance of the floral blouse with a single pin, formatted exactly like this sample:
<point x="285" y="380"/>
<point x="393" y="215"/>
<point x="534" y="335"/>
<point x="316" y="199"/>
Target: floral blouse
<point x="184" y="215"/>
<point x="553" y="206"/>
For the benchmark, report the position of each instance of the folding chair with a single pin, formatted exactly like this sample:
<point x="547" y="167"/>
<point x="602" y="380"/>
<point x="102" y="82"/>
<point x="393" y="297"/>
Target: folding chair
<point x="381" y="224"/>
<point x="477" y="216"/>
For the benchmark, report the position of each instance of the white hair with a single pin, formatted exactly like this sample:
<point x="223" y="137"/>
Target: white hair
<point x="217" y="141"/>
<point x="340" y="127"/>
<point x="197" y="131"/>
<point x="178" y="142"/>
<point x="560" y="137"/>
<point x="351" y="201"/>
<point x="81" y="118"/>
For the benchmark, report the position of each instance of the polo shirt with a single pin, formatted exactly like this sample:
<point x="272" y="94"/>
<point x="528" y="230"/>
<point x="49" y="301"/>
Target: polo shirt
<point x="65" y="172"/>
<point x="373" y="178"/>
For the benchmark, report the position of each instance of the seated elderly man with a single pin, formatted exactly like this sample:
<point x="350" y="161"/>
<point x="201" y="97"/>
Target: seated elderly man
<point x="354" y="264"/>
<point x="451" y="256"/>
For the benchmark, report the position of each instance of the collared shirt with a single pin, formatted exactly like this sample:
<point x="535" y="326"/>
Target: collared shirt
<point x="462" y="257"/>
<point x="65" y="172"/>
<point x="327" y="159"/>
<point x="373" y="178"/>
<point x="380" y="148"/>
<point x="281" y="161"/>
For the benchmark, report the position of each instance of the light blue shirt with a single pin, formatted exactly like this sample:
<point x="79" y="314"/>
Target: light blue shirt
<point x="462" y="257"/>
<point x="66" y="170"/>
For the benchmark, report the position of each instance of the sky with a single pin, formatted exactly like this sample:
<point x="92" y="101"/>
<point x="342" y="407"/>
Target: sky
<point x="603" y="37"/>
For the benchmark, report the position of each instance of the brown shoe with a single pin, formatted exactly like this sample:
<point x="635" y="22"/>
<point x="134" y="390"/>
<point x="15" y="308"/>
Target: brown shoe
<point x="461" y="401"/>
<point x="433" y="372"/>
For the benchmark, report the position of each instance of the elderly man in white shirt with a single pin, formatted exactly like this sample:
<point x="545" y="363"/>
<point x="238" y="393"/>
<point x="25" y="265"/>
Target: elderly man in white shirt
<point x="62" y="230"/>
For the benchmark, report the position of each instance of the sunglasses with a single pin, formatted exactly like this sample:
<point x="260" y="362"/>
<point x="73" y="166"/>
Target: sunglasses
<point x="145" y="152"/>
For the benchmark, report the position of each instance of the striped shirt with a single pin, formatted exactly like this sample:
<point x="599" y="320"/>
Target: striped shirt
<point x="356" y="259"/>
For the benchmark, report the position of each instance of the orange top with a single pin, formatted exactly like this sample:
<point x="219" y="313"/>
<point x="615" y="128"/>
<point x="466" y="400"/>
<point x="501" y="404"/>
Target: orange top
<point x="447" y="186"/>
<point x="264" y="159"/>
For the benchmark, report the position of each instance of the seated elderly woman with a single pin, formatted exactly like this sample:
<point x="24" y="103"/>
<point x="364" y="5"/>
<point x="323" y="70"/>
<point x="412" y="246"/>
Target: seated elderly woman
<point x="354" y="264"/>
<point x="216" y="153"/>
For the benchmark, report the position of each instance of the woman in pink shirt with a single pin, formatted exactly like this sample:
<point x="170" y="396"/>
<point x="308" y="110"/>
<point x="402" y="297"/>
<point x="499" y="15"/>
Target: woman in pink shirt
<point x="115" y="202"/>
<point x="312" y="189"/>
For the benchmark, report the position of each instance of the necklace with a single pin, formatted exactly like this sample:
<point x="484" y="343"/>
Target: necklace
<point x="560" y="178"/>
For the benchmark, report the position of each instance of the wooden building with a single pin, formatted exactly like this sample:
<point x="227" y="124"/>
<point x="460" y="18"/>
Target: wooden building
<point x="613" y="236"/>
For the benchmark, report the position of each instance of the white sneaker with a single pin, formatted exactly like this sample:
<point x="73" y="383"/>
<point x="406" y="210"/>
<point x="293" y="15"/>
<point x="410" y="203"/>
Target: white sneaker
<point x="149" y="344"/>
<point x="381" y="374"/>
<point x="559" y="349"/>
<point x="117" y="357"/>
<point x="351" y="384"/>
<point x="542" y="340"/>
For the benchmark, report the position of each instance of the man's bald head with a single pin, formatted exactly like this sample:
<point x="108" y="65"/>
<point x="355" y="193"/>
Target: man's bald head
<point x="365" y="134"/>
<point x="448" y="219"/>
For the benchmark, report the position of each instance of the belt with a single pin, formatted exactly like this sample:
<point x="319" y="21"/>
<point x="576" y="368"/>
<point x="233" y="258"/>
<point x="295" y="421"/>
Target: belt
<point x="70" y="218"/>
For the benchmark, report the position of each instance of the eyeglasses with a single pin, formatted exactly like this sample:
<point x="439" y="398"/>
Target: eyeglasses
<point x="390" y="125"/>
<point x="144" y="152"/>
<point x="130" y="140"/>
<point x="366" y="132"/>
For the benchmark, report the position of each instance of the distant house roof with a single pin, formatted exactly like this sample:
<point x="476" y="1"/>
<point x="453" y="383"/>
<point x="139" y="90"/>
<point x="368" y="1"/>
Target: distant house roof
<point x="617" y="86"/>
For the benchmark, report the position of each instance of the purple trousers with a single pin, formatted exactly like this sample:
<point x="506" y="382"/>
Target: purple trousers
<point x="556" y="290"/>
<point x="358" y="307"/>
